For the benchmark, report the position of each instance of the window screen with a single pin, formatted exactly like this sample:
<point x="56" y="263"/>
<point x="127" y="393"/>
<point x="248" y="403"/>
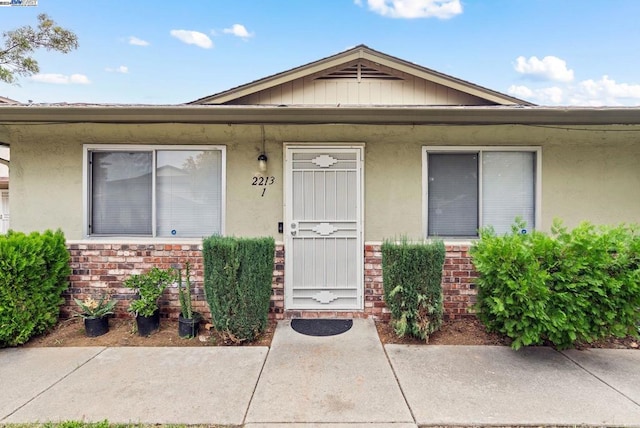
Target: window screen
<point x="507" y="189"/>
<point x="121" y="196"/>
<point x="453" y="194"/>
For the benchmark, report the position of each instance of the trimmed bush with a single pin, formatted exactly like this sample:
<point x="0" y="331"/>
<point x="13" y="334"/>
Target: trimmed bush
<point x="34" y="272"/>
<point x="412" y="277"/>
<point x="237" y="283"/>
<point x="570" y="287"/>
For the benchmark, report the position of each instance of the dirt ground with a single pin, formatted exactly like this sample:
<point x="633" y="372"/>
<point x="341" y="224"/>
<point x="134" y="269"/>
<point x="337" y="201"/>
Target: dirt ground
<point x="466" y="331"/>
<point x="122" y="332"/>
<point x="470" y="331"/>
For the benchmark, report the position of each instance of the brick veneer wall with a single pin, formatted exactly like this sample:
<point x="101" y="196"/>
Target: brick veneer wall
<point x="458" y="285"/>
<point x="102" y="267"/>
<point x="458" y="282"/>
<point x="98" y="268"/>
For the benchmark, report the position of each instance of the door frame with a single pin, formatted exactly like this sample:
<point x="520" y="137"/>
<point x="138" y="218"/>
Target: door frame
<point x="288" y="194"/>
<point x="4" y="192"/>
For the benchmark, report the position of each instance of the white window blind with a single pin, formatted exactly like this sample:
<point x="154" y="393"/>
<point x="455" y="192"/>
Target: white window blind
<point x="508" y="189"/>
<point x="188" y="189"/>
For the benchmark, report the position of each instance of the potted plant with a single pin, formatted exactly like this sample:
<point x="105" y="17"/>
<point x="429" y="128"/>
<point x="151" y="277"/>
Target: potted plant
<point x="149" y="287"/>
<point x="95" y="313"/>
<point x="188" y="320"/>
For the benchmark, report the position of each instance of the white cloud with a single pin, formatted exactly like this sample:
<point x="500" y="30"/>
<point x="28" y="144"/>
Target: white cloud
<point x="61" y="79"/>
<point x="520" y="91"/>
<point x="193" y="38"/>
<point x="238" y="30"/>
<point x="548" y="68"/>
<point x="442" y="9"/>
<point x="605" y="91"/>
<point x="593" y="93"/>
<point x="601" y="92"/>
<point x="543" y="96"/>
<point x="122" y="69"/>
<point x="133" y="40"/>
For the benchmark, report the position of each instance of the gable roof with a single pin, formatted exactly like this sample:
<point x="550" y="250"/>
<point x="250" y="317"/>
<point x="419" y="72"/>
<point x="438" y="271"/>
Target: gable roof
<point x="5" y="100"/>
<point x="358" y="62"/>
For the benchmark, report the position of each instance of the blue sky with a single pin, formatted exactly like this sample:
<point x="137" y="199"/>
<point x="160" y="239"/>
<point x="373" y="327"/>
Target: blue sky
<point x="549" y="52"/>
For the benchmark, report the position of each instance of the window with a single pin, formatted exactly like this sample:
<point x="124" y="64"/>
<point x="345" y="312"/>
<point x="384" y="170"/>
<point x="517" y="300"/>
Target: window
<point x="155" y="191"/>
<point x="469" y="188"/>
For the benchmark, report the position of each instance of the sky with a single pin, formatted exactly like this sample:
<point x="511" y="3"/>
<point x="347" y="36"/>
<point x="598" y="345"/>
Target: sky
<point x="548" y="52"/>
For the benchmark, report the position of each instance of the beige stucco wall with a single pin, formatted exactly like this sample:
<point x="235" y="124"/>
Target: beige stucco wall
<point x="586" y="175"/>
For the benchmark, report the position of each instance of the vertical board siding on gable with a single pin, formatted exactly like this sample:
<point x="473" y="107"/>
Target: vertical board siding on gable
<point x="98" y="268"/>
<point x="287" y="93"/>
<point x="311" y="91"/>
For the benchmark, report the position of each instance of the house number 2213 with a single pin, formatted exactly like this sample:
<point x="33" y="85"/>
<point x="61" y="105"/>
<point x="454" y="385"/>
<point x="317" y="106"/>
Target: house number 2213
<point x="263" y="182"/>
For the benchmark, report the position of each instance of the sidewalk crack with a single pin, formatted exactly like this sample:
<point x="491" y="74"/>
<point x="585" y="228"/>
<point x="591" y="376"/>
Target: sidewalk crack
<point x="598" y="378"/>
<point x="395" y="376"/>
<point x="255" y="387"/>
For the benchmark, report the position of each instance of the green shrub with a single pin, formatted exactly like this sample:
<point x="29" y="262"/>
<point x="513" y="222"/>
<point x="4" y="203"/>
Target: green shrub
<point x="184" y="293"/>
<point x="237" y="281"/>
<point x="567" y="288"/>
<point x="412" y="276"/>
<point x="149" y="287"/>
<point x="34" y="271"/>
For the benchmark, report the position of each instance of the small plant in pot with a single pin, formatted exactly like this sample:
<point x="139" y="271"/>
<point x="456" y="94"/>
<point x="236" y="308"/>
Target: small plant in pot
<point x="149" y="287"/>
<point x="188" y="320"/>
<point x="95" y="312"/>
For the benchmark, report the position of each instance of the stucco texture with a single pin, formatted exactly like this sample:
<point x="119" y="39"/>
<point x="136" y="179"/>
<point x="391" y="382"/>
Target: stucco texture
<point x="587" y="173"/>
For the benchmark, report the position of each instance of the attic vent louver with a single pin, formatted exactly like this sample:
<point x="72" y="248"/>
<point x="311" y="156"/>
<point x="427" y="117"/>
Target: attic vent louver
<point x="359" y="71"/>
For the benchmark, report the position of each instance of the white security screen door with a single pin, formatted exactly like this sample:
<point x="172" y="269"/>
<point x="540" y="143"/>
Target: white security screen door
<point x="323" y="228"/>
<point x="4" y="211"/>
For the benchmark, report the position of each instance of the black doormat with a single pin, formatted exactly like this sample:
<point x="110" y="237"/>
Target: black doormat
<point x="315" y="327"/>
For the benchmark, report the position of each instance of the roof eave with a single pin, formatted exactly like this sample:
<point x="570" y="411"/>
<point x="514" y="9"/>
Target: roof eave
<point x="493" y="115"/>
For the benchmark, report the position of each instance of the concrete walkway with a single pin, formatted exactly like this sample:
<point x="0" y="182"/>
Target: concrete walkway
<point x="347" y="381"/>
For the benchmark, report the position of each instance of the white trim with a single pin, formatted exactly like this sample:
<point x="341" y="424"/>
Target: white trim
<point x="460" y="242"/>
<point x="288" y="194"/>
<point x="480" y="189"/>
<point x="86" y="148"/>
<point x="323" y="145"/>
<point x="479" y="149"/>
<point x="3" y="193"/>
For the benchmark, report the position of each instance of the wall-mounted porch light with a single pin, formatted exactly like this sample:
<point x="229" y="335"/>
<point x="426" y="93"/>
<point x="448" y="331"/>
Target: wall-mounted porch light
<point x="262" y="159"/>
<point x="262" y="162"/>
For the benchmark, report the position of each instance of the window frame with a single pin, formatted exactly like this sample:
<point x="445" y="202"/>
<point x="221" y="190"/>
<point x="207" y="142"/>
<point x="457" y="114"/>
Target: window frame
<point x="87" y="179"/>
<point x="537" y="150"/>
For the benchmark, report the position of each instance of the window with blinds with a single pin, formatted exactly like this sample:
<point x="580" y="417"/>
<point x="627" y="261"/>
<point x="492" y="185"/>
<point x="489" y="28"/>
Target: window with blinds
<point x="467" y="190"/>
<point x="155" y="192"/>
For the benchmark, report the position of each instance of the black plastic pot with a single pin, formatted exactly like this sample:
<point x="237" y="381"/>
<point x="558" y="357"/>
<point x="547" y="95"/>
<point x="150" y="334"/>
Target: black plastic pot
<point x="148" y="325"/>
<point x="189" y="327"/>
<point x="94" y="327"/>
